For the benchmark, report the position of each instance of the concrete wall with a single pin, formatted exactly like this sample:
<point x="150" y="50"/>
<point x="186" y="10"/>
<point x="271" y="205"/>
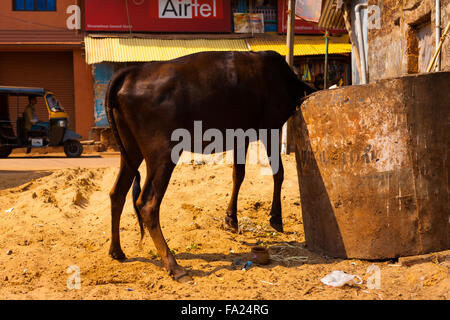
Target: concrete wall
<point x="394" y="48"/>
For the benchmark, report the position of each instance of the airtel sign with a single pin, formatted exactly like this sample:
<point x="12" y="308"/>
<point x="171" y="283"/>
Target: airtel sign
<point x="186" y="9"/>
<point x="158" y="15"/>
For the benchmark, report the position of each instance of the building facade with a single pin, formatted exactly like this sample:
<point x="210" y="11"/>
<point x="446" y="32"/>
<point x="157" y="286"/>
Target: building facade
<point x="73" y="47"/>
<point x="133" y="32"/>
<point x="406" y="38"/>
<point x="41" y="45"/>
<point x="391" y="38"/>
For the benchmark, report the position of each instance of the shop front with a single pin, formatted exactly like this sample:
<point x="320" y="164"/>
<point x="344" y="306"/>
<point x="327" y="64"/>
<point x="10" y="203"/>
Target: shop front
<point x="38" y="49"/>
<point x="133" y="32"/>
<point x="48" y="69"/>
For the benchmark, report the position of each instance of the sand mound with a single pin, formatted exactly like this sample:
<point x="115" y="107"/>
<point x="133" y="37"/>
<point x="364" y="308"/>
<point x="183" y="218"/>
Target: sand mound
<point x="63" y="189"/>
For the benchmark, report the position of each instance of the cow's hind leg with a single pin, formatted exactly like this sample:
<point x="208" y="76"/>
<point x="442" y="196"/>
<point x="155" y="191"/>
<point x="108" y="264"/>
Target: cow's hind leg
<point x="118" y="196"/>
<point x="159" y="171"/>
<point x="278" y="176"/>
<point x="238" y="177"/>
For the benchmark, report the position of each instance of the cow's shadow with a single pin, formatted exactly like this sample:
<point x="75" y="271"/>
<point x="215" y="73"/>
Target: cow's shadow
<point x="287" y="254"/>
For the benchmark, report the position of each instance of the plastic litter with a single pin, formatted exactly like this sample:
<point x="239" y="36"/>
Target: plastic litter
<point x="9" y="210"/>
<point x="339" y="278"/>
<point x="247" y="265"/>
<point x="273" y="284"/>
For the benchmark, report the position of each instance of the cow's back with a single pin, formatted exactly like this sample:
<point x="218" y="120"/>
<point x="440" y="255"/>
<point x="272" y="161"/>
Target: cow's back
<point x="221" y="89"/>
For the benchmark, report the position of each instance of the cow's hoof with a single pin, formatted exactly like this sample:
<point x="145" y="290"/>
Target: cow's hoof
<point x="233" y="224"/>
<point x="117" y="255"/>
<point x="180" y="275"/>
<point x="277" y="225"/>
<point x="183" y="279"/>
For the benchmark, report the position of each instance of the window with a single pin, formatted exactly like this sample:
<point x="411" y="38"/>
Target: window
<point x="53" y="104"/>
<point x="426" y="46"/>
<point x="34" y="5"/>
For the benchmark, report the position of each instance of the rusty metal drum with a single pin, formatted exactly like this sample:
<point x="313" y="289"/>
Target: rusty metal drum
<point x="373" y="170"/>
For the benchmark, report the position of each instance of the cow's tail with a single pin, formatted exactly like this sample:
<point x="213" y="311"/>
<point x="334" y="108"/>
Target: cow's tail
<point x="110" y="103"/>
<point x="136" y="192"/>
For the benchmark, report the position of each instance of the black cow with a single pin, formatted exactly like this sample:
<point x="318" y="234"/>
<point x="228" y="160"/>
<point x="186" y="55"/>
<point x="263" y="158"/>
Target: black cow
<point x="223" y="90"/>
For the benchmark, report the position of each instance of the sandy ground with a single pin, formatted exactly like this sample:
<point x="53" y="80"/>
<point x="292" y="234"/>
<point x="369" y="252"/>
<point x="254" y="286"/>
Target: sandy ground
<point x="60" y="223"/>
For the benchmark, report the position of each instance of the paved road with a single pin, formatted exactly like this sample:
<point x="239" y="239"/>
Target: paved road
<point x="50" y="162"/>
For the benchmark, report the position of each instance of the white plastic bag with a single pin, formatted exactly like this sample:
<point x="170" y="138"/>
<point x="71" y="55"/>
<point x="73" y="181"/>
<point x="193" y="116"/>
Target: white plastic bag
<point x="339" y="278"/>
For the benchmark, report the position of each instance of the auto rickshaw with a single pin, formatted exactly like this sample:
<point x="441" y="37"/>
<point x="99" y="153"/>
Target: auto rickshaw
<point x="55" y="132"/>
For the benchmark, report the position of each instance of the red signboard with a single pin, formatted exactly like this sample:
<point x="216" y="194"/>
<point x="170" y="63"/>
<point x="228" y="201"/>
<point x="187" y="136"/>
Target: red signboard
<point x="158" y="15"/>
<point x="301" y="26"/>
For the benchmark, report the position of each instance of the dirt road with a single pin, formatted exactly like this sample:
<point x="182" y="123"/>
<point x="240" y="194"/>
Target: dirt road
<point x="22" y="162"/>
<point x="55" y="223"/>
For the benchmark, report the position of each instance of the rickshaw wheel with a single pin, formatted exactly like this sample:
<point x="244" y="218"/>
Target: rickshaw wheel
<point x="5" y="152"/>
<point x="73" y="148"/>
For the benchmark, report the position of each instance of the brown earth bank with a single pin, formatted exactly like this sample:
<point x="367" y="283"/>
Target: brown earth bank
<point x="55" y="222"/>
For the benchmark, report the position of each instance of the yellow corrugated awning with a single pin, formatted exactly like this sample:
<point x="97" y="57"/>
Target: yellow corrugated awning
<point x="122" y="49"/>
<point x="144" y="49"/>
<point x="303" y="45"/>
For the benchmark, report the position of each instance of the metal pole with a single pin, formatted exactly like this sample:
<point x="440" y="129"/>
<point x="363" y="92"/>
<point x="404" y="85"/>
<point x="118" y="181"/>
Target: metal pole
<point x="348" y="25"/>
<point x="438" y="32"/>
<point x="250" y="12"/>
<point x="289" y="60"/>
<point x="359" y="33"/>
<point x="325" y="76"/>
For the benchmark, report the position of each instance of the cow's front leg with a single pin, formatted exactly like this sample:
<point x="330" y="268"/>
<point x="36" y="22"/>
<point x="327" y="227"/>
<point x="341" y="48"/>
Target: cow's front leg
<point x="238" y="176"/>
<point x="275" y="213"/>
